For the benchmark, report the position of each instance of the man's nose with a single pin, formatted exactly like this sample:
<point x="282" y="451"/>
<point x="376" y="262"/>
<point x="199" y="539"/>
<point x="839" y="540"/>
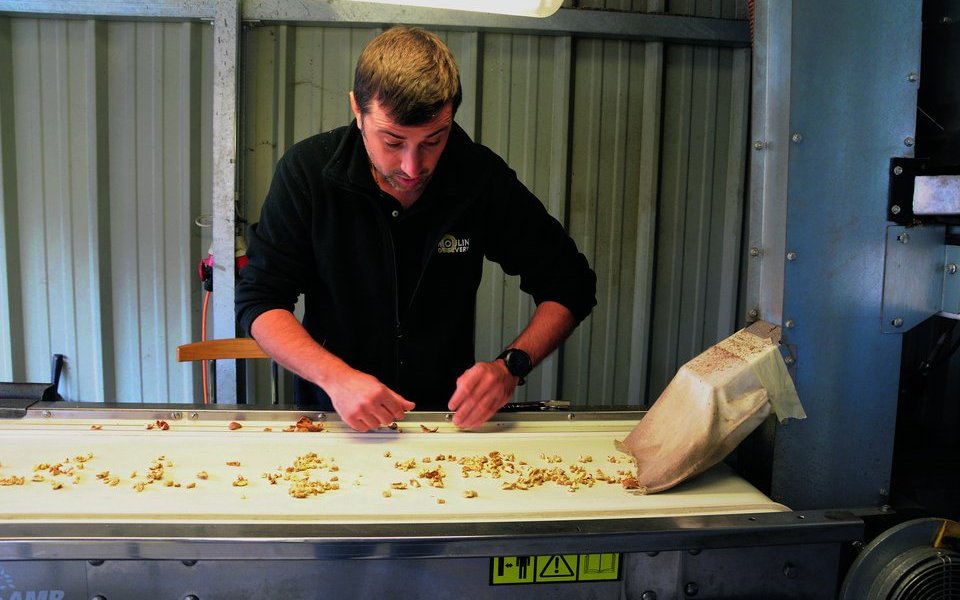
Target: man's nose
<point x="412" y="162"/>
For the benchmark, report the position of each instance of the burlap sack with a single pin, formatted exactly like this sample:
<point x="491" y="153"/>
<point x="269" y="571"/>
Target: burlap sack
<point x="710" y="406"/>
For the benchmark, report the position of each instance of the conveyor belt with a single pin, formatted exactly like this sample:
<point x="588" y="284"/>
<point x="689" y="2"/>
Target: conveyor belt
<point x="109" y="480"/>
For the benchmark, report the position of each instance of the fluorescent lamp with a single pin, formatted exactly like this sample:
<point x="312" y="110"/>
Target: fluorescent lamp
<point x="523" y="8"/>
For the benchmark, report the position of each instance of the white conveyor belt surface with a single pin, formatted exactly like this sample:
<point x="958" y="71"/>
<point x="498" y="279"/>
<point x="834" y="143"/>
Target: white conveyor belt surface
<point x="116" y="457"/>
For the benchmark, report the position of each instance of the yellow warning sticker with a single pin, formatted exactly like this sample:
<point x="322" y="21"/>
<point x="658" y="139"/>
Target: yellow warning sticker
<point x="554" y="568"/>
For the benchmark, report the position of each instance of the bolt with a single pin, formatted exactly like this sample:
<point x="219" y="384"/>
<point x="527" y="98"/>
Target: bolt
<point x="790" y="571"/>
<point x="648" y="595"/>
<point x="895" y="209"/>
<point x="952" y="268"/>
<point x="754" y="251"/>
<point x="45" y="414"/>
<point x="759" y="145"/>
<point x="898" y="170"/>
<point x="789" y="324"/>
<point x="796" y="138"/>
<point x="857" y="545"/>
<point x="904" y="238"/>
<point x="176" y="416"/>
<point x="95" y="563"/>
<point x="946" y="20"/>
<point x="753" y="314"/>
<point x="912" y="76"/>
<point x="571" y="416"/>
<point x="322" y="417"/>
<point x="789" y="360"/>
<point x="691" y="589"/>
<point x="791" y="255"/>
<point x="885" y="508"/>
<point x="188" y="563"/>
<point x="193" y="416"/>
<point x="908" y="141"/>
<point x="898" y="322"/>
<point x="448" y="417"/>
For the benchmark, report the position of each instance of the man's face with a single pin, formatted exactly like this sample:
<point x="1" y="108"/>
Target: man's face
<point x="403" y="157"/>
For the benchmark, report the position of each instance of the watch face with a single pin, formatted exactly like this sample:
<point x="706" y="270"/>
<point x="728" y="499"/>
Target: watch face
<point x="518" y="362"/>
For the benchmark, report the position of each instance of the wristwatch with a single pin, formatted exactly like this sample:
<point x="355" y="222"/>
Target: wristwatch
<point x="518" y="363"/>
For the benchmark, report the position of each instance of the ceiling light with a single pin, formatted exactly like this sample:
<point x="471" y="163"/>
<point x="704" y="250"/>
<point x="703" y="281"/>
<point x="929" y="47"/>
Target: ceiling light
<point x="524" y="8"/>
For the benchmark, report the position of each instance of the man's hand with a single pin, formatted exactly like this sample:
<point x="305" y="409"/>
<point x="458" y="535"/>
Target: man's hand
<point x="481" y="391"/>
<point x="364" y="403"/>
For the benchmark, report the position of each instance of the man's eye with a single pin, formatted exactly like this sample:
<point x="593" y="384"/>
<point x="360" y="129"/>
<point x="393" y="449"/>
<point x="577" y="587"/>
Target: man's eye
<point x="393" y="144"/>
<point x="432" y="144"/>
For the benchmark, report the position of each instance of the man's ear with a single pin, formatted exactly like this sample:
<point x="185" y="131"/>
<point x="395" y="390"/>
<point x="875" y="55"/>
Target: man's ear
<point x="355" y="108"/>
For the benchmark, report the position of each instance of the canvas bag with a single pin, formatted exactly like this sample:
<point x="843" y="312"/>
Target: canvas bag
<point x="710" y="406"/>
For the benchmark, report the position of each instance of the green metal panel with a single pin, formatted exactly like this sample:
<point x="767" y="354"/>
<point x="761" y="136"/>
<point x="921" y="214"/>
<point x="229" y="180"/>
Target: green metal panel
<point x="103" y="175"/>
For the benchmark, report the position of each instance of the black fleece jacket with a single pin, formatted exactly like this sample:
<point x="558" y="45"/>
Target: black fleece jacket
<point x="395" y="297"/>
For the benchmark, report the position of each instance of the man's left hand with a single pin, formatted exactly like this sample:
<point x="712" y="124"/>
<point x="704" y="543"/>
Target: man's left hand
<point x="481" y="391"/>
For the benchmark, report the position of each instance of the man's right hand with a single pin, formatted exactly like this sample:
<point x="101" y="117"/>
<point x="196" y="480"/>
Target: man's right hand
<point x="364" y="403"/>
<point x="361" y="400"/>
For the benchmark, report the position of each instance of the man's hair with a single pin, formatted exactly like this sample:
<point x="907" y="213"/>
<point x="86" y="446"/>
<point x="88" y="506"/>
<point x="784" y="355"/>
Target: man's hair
<point x="410" y="72"/>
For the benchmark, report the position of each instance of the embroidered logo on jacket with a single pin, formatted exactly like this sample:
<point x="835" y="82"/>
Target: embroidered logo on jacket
<point x="450" y="244"/>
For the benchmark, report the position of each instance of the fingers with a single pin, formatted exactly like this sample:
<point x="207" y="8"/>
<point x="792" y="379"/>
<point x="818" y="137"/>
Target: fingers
<point x="481" y="391"/>
<point x="364" y="403"/>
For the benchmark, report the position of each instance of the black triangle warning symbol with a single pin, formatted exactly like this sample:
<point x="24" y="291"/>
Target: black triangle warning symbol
<point x="556" y="567"/>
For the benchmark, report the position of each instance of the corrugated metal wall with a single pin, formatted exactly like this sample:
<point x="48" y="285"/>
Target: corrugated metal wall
<point x="638" y="147"/>
<point x="105" y="165"/>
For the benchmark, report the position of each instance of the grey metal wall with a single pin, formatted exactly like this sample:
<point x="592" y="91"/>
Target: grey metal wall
<point x="104" y="165"/>
<point x="638" y="147"/>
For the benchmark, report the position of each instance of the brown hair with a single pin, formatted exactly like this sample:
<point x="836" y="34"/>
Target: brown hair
<point x="410" y="72"/>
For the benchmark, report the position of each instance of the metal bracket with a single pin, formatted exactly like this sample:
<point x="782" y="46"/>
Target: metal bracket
<point x="951" y="284"/>
<point x="914" y="273"/>
<point x="923" y="193"/>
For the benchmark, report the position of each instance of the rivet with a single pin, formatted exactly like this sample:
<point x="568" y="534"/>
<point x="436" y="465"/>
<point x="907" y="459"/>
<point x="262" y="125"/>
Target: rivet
<point x="322" y="416"/>
<point x="952" y="269"/>
<point x="691" y="589"/>
<point x="754" y="251"/>
<point x="898" y="170"/>
<point x="912" y="76"/>
<point x="176" y="416"/>
<point x="753" y="313"/>
<point x="790" y="571"/>
<point x="193" y="416"/>
<point x="759" y="145"/>
<point x="895" y="209"/>
<point x="648" y="595"/>
<point x="45" y="414"/>
<point x="898" y="322"/>
<point x="789" y="323"/>
<point x="796" y="138"/>
<point x="791" y="255"/>
<point x="908" y="141"/>
<point x="788" y="359"/>
<point x="903" y="238"/>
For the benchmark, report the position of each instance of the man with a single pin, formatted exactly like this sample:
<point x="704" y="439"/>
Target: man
<point x="383" y="226"/>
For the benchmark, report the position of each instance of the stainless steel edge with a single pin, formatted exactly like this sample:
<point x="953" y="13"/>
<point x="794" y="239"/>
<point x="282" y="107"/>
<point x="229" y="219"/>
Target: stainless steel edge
<point x="193" y="412"/>
<point x="154" y="541"/>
